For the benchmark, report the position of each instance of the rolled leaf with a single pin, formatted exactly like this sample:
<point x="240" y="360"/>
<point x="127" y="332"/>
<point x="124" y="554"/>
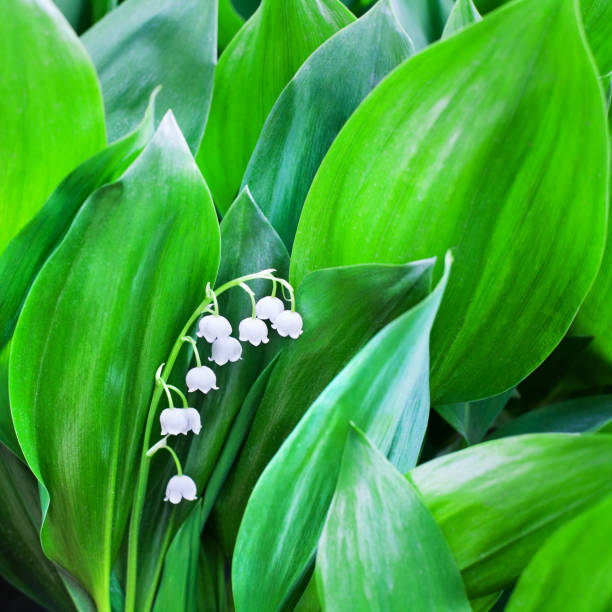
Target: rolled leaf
<point x="252" y="71"/>
<point x="314" y="106"/>
<point x="381" y="548"/>
<point x="464" y="13"/>
<point x="417" y="170"/>
<point x="146" y="43"/>
<point x="286" y="512"/>
<point x="51" y="114"/>
<point x="497" y="502"/>
<point x="423" y="20"/>
<point x="100" y="318"/>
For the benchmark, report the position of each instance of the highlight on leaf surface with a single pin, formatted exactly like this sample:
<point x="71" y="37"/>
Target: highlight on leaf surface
<point x="518" y="164"/>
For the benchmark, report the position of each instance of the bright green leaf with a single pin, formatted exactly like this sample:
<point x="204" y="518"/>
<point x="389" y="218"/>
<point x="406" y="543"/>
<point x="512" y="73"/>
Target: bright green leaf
<point x="417" y="170"/>
<point x="28" y="251"/>
<point x="597" y="17"/>
<point x="314" y="106"/>
<point x="497" y="502"/>
<point x="229" y="23"/>
<point x="252" y="71"/>
<point x="342" y="309"/>
<point x="383" y="386"/>
<point x="51" y="115"/>
<point x="101" y="316"/>
<point x="381" y="548"/>
<point x="146" y="43"/>
<point x="572" y="570"/>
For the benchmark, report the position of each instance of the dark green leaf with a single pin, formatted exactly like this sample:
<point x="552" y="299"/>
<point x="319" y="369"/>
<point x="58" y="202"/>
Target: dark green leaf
<point x="597" y="17"/>
<point x="342" y="309"/>
<point x="229" y="23"/>
<point x="497" y="502"/>
<point x="417" y="170"/>
<point x="51" y="115"/>
<point x="379" y="388"/>
<point x="101" y="316"/>
<point x="573" y="416"/>
<point x="314" y="106"/>
<point x="252" y="71"/>
<point x="143" y="44"/>
<point x="423" y="19"/>
<point x="572" y="570"/>
<point x="381" y="548"/>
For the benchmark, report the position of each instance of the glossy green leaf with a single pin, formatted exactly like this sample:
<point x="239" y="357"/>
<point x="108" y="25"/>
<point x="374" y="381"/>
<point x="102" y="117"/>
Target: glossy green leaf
<point x="314" y="106"/>
<point x="585" y="414"/>
<point x="342" y="309"/>
<point x="416" y="170"/>
<point x="382" y="387"/>
<point x="22" y="561"/>
<point x="423" y="19"/>
<point x="381" y="548"/>
<point x="252" y="71"/>
<point x="473" y="419"/>
<point x="146" y="43"/>
<point x="51" y="115"/>
<point x="497" y="502"/>
<point x="463" y="14"/>
<point x="572" y="570"/>
<point x="99" y="319"/>
<point x="27" y="252"/>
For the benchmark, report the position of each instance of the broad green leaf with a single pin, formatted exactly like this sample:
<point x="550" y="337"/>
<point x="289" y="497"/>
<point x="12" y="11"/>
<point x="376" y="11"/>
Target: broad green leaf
<point x="22" y="561"/>
<point x="51" y="115"/>
<point x="99" y="319"/>
<point x="99" y="8"/>
<point x="286" y="512"/>
<point x="416" y="170"/>
<point x="214" y="591"/>
<point x="585" y="414"/>
<point x="7" y="431"/>
<point x="314" y="106"/>
<point x="252" y="71"/>
<point x="77" y="12"/>
<point x="486" y="603"/>
<point x="229" y="24"/>
<point x="146" y="43"/>
<point x="572" y="570"/>
<point x="497" y="502"/>
<point x="27" y="252"/>
<point x="463" y="14"/>
<point x="423" y="19"/>
<point x="342" y="309"/>
<point x="381" y="548"/>
<point x="473" y="419"/>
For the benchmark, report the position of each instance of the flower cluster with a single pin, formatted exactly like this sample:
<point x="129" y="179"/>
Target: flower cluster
<point x="216" y="330"/>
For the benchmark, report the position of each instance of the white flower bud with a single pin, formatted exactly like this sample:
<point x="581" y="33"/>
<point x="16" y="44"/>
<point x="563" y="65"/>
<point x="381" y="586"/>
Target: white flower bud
<point x="202" y="379"/>
<point x="212" y="327"/>
<point x="173" y="421"/>
<point x="269" y="308"/>
<point x="288" y="323"/>
<point x="194" y="422"/>
<point x="224" y="350"/>
<point x="180" y="487"/>
<point x="254" y="331"/>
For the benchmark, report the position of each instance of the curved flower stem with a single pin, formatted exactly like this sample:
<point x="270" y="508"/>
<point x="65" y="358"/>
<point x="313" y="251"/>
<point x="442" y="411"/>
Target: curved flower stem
<point x="195" y="349"/>
<point x="285" y="285"/>
<point x="252" y="296"/>
<point x="273" y="294"/>
<point x="143" y="474"/>
<point x="160" y="381"/>
<point x="180" y="394"/>
<point x="211" y="294"/>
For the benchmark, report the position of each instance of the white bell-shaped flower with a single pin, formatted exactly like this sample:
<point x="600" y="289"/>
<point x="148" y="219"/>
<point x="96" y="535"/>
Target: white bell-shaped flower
<point x="180" y="487"/>
<point x="288" y="323"/>
<point x="174" y="421"/>
<point x="254" y="331"/>
<point x="269" y="308"/>
<point x="224" y="350"/>
<point x="212" y="327"/>
<point x="194" y="422"/>
<point x="202" y="379"/>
